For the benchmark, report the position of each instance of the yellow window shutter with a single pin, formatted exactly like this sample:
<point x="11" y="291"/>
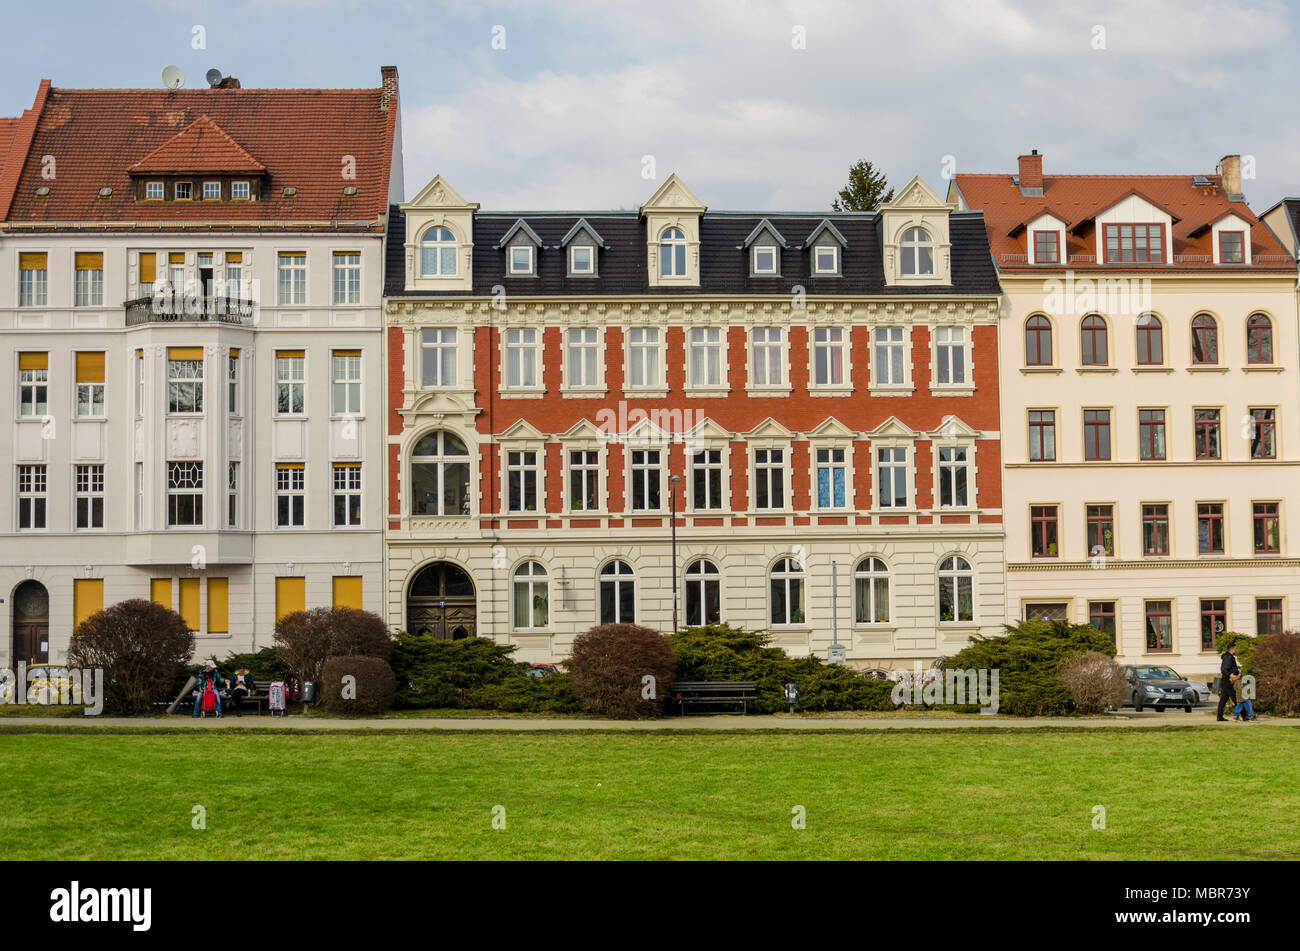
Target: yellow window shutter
<point x="290" y="596"/>
<point x="218" y="605"/>
<point x="31" y="261"/>
<point x="347" y="592"/>
<point x="291" y="465"/>
<point x="33" y="361"/>
<point x="234" y="257"/>
<point x="293" y="254"/>
<point x="90" y="260"/>
<point x="176" y="257"/>
<point x="148" y="268"/>
<point x="184" y="353"/>
<point x="87" y="599"/>
<point x="160" y="592"/>
<point x="190" y="602"/>
<point x="90" y="368"/>
<point x="347" y="353"/>
<point x="288" y="354"/>
<point x="234" y="353"/>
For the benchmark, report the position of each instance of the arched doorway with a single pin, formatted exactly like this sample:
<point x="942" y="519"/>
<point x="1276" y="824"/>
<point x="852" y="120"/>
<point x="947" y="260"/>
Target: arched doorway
<point x="440" y="603"/>
<point x="31" y="623"/>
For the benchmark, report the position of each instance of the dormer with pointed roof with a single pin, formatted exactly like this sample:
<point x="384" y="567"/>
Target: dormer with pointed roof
<point x="522" y="248"/>
<point x="582" y="245"/>
<point x="439" y="239"/>
<point x="672" y="230"/>
<point x="915" y="236"/>
<point x="200" y="162"/>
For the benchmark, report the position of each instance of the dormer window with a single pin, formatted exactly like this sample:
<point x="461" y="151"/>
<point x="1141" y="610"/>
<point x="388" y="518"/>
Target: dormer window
<point x="153" y="191"/>
<point x="438" y="253"/>
<point x="765" y="259"/>
<point x="521" y="259"/>
<point x="826" y="259"/>
<point x="1135" y="244"/>
<point x="672" y="253"/>
<point x="239" y="190"/>
<point x="212" y="191"/>
<point x="582" y="259"/>
<point x="917" y="253"/>
<point x="1232" y="247"/>
<point x="184" y="191"/>
<point x="1047" y="247"/>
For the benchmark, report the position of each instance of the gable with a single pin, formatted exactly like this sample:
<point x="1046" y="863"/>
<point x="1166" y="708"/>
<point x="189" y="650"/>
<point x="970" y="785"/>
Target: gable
<point x="673" y="195"/>
<point x="581" y="227"/>
<point x="520" y="228"/>
<point x="438" y="194"/>
<point x="202" y="146"/>
<point x="892" y="428"/>
<point x="765" y="227"/>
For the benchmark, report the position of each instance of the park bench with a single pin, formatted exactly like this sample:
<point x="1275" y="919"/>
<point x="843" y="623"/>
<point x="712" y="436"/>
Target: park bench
<point x="259" y="696"/>
<point x="711" y="692"/>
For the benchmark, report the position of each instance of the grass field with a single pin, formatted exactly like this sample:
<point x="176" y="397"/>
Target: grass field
<point x="1170" y="795"/>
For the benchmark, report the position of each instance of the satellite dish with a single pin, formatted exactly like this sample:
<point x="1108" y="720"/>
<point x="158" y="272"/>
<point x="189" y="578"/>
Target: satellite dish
<point x="214" y="77"/>
<point x="172" y="77"/>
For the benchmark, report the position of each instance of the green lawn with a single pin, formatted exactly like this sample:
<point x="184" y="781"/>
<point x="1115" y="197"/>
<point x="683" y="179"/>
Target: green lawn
<point x="1167" y="794"/>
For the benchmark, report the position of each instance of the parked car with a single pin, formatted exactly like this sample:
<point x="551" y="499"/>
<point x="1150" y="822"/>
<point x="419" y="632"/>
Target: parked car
<point x="1159" y="688"/>
<point x="539" y="671"/>
<point x="1201" y="690"/>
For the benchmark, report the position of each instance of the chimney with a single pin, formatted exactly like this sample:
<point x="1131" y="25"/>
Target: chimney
<point x="229" y="82"/>
<point x="1230" y="169"/>
<point x="1031" y="174"/>
<point x="389" y="76"/>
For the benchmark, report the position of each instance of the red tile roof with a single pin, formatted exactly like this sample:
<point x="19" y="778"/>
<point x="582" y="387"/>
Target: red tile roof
<point x="1077" y="199"/>
<point x="305" y="138"/>
<point x="15" y="142"/>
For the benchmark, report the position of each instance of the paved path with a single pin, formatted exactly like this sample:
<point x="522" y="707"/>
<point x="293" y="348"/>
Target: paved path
<point x="1125" y="720"/>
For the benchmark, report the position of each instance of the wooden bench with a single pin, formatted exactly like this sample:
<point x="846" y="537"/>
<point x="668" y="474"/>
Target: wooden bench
<point x="709" y="692"/>
<point x="259" y="696"/>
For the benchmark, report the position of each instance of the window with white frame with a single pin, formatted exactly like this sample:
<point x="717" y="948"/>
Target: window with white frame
<point x="32" y="500"/>
<point x="33" y="279"/>
<point x="832" y="478"/>
<point x="582" y="352"/>
<point x="235" y="274"/>
<point x="183" y="191"/>
<point x="954" y="477"/>
<point x="828" y="356"/>
<point x="290" y="495"/>
<point x="672" y="253"/>
<point x="890" y="368"/>
<point x="826" y="259"/>
<point x="438" y="253"/>
<point x="232" y="495"/>
<point x="290" y="383"/>
<point x="705" y="356"/>
<point x="88" y="284"/>
<point x="531" y="597"/>
<point x="765" y="260"/>
<point x="871" y="592"/>
<point x="891" y="477"/>
<point x="184" y="494"/>
<point x="346" y="382"/>
<point x="956" y="590"/>
<point x="292" y="278"/>
<point x="950" y="356"/>
<point x="582" y="259"/>
<point x="767" y="357"/>
<point x="33" y="385"/>
<point x="184" y="385"/>
<point x="153" y="191"/>
<point x="438" y="358"/>
<point x="521" y="358"/>
<point x="584" y="480"/>
<point x="232" y="383"/>
<point x="644" y="368"/>
<point x="347" y="494"/>
<point x="703" y="593"/>
<point x="617" y="593"/>
<point x="917" y="251"/>
<point x="647" y="480"/>
<point x="139" y="382"/>
<point x="440" y="475"/>
<point x="239" y="190"/>
<point x="521" y="258"/>
<point x="706" y="480"/>
<point x="211" y="191"/>
<point x="769" y="479"/>
<point x="523" y="481"/>
<point x="89" y="502"/>
<point x="785" y="586"/>
<point x="347" y="277"/>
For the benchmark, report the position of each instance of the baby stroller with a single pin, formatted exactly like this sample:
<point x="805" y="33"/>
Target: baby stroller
<point x="275" y="698"/>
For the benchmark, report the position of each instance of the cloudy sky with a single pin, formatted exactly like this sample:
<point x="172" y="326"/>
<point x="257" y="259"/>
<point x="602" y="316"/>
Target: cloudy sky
<point x="757" y="104"/>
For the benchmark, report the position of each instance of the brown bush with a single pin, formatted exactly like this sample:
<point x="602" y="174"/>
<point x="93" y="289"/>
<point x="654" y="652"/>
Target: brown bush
<point x="306" y="639"/>
<point x="142" y="647"/>
<point x="357" y="633"/>
<point x="1275" y="665"/>
<point x="1095" y="682"/>
<point x="372" y="691"/>
<point x="608" y="667"/>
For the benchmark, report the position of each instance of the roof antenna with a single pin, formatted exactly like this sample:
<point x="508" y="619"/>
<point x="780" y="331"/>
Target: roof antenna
<point x="214" y="77"/>
<point x="172" y="77"/>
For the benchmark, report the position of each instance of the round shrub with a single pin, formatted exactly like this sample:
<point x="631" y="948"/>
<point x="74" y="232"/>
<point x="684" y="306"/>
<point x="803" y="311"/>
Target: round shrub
<point x="142" y="648"/>
<point x="303" y="642"/>
<point x="608" y="667"/>
<point x="370" y="691"/>
<point x="1096" y="683"/>
<point x="1275" y="664"/>
<point x="356" y="633"/>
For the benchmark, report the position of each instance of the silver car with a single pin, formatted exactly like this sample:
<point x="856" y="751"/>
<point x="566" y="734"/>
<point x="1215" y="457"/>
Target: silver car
<point x="1159" y="688"/>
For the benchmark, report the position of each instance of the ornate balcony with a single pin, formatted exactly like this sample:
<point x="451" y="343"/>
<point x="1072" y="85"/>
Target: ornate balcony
<point x="180" y="309"/>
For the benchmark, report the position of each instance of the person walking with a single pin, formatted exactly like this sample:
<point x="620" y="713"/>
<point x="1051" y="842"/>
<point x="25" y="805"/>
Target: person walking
<point x="1229" y="670"/>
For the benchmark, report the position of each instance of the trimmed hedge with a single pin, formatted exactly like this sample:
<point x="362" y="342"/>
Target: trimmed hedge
<point x="609" y="665"/>
<point x="373" y="685"/>
<point x="472" y="673"/>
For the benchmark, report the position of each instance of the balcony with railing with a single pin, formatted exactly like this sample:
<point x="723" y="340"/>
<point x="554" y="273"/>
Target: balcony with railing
<point x="188" y="308"/>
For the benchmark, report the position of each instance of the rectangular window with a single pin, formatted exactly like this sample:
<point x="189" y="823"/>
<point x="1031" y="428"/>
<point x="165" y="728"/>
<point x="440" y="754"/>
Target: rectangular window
<point x="705" y="348"/>
<point x="347" y="590"/>
<point x="346" y="382"/>
<point x="235" y="274"/>
<point x="1047" y="247"/>
<point x="347" y="494"/>
<point x="828" y="356"/>
<point x="90" y="384"/>
<point x="1209" y="528"/>
<point x="1155" y="529"/>
<point x="950" y="355"/>
<point x="232" y="494"/>
<point x="184" y="380"/>
<point x="1214" y="621"/>
<point x="769" y="478"/>
<point x="290" y="596"/>
<point x="765" y="259"/>
<point x="1044" y="540"/>
<point x="148" y="274"/>
<point x="582" y="351"/>
<point x="889" y="370"/>
<point x="706" y="480"/>
<point x="1096" y="434"/>
<point x="584" y="480"/>
<point x="292" y="278"/>
<point x="290" y="495"/>
<point x="1135" y="244"/>
<point x="521" y="259"/>
<point x="1268" y="616"/>
<point x="768" y="366"/>
<point x="1101" y="529"/>
<point x="438" y="358"/>
<point x="647" y="480"/>
<point x="1160" y="626"/>
<point x="1042" y="435"/>
<point x="183" y="191"/>
<point x="232" y="382"/>
<point x="1268" y="527"/>
<point x="290" y="382"/>
<point x="954" y="477"/>
<point x="891" y="478"/>
<point x="176" y="272"/>
<point x="89" y="282"/>
<point x="153" y="191"/>
<point x="32" y="489"/>
<point x="1151" y="433"/>
<point x="90" y="496"/>
<point x="521" y="358"/>
<point x="582" y="259"/>
<point x="239" y="190"/>
<point x="347" y="277"/>
<point x="33" y="384"/>
<point x="218" y="605"/>
<point x="185" y="494"/>
<point x="826" y="259"/>
<point x="1232" y="247"/>
<point x="1263" y="434"/>
<point x="522" y="481"/>
<point x="832" y="479"/>
<point x="212" y="191"/>
<point x="1206" y="422"/>
<point x="1101" y="615"/>
<point x="33" y="285"/>
<point x="643" y="357"/>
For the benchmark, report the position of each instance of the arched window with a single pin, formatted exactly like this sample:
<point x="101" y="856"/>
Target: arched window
<point x="1205" y="339"/>
<point x="787" y="592"/>
<point x="918" y="253"/>
<point x="703" y="593"/>
<point x="1150" y="341"/>
<point x="871" y="592"/>
<point x="532" y="596"/>
<point x="440" y="475"/>
<point x="1259" y="339"/>
<point x="617" y="593"/>
<point x="1093" y="343"/>
<point x="956" y="590"/>
<point x="672" y="253"/>
<point x="438" y="253"/>
<point x="1038" y="341"/>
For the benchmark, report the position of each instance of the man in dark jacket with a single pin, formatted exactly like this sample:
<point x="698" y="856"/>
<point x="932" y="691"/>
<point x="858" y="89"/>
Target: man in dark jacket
<point x="1228" y="669"/>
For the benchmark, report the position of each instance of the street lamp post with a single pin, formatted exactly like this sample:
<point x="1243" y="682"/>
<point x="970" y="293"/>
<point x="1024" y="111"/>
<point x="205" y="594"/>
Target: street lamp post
<point x="672" y="494"/>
